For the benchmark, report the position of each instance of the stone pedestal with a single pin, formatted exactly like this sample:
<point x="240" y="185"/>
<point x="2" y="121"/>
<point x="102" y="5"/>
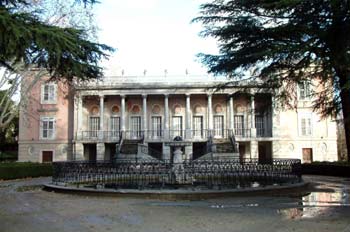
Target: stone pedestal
<point x="100" y="150"/>
<point x="254" y="153"/>
<point x="178" y="165"/>
<point x="79" y="151"/>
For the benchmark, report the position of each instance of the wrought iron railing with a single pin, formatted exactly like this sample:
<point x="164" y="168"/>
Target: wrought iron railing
<point x="220" y="173"/>
<point x="242" y="133"/>
<point x="262" y="132"/>
<point x="203" y="134"/>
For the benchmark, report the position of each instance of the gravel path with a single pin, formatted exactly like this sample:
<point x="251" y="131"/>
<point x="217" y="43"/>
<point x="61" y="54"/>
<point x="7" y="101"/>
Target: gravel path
<point x="25" y="207"/>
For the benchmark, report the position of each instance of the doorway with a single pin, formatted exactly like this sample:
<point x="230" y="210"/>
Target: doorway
<point x="307" y="155"/>
<point x="90" y="152"/>
<point x="265" y="152"/>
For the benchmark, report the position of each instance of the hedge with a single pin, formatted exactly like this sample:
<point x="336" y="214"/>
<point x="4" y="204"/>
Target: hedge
<point x="17" y="170"/>
<point x="327" y="168"/>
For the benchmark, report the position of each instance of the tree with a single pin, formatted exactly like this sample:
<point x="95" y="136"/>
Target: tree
<point x="47" y="37"/>
<point x="286" y="42"/>
<point x="8" y="133"/>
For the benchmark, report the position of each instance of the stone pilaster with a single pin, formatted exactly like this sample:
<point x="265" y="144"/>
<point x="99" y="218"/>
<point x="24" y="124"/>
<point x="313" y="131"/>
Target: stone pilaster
<point x="254" y="153"/>
<point x="166" y="152"/>
<point x="100" y="150"/>
<point x="79" y="151"/>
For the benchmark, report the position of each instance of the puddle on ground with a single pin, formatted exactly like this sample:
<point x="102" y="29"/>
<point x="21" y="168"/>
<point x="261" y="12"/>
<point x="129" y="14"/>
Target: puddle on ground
<point x="321" y="201"/>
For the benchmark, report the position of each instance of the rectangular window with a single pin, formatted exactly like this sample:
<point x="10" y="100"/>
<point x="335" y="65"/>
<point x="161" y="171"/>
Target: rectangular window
<point x="135" y="127"/>
<point x="48" y="93"/>
<point x="305" y="125"/>
<point x="48" y="129"/>
<point x="239" y="125"/>
<point x="218" y="126"/>
<point x="259" y="124"/>
<point x="156" y="126"/>
<point x="115" y="126"/>
<point x="304" y="90"/>
<point x="94" y="126"/>
<point x="177" y="126"/>
<point x="198" y="126"/>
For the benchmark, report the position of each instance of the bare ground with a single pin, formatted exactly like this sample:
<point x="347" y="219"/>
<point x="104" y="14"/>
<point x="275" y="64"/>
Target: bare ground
<point x="25" y="207"/>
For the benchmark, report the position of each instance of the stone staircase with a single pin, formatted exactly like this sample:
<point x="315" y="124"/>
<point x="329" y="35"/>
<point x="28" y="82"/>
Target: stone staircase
<point x="129" y="147"/>
<point x="223" y="146"/>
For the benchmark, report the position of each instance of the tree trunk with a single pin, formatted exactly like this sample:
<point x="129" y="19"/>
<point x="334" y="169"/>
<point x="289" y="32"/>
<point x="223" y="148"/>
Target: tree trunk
<point x="345" y="102"/>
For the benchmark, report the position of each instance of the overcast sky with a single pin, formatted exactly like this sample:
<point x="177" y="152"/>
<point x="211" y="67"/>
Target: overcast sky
<point x="154" y="35"/>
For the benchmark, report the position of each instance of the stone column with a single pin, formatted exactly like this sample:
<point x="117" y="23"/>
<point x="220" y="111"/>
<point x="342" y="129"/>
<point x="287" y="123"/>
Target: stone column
<point x="122" y="113"/>
<point x="275" y="120"/>
<point x="80" y="115"/>
<point x="144" y="111"/>
<point x="166" y="149"/>
<point x="188" y="117"/>
<point x="210" y="114"/>
<point x="101" y="116"/>
<point x="252" y="116"/>
<point x="166" y="116"/>
<point x="231" y="113"/>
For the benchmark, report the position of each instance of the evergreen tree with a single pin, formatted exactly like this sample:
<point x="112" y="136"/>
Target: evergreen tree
<point x="64" y="52"/>
<point x="286" y="42"/>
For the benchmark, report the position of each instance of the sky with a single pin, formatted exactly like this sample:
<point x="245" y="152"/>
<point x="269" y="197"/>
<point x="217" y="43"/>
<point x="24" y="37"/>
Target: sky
<point x="152" y="35"/>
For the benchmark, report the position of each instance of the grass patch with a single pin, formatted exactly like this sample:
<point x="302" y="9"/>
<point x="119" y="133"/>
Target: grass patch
<point x="18" y="170"/>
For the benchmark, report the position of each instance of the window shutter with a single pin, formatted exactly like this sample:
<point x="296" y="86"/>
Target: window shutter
<point x="42" y="93"/>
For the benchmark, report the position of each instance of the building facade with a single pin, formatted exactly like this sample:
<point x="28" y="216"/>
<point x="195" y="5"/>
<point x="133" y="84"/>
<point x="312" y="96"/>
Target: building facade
<point x="128" y="117"/>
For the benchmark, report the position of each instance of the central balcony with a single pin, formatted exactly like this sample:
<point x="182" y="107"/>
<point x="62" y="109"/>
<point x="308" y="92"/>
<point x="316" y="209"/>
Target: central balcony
<point x="166" y="135"/>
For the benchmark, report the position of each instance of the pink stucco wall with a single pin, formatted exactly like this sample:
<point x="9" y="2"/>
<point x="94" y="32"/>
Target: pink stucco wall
<point x="62" y="110"/>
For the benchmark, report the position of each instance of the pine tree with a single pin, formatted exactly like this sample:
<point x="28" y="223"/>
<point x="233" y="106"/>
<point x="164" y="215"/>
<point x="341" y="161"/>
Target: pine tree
<point x="288" y="41"/>
<point x="64" y="52"/>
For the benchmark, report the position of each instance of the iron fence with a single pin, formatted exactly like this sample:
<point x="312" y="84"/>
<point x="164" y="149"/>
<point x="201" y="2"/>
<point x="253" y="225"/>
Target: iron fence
<point x="144" y="174"/>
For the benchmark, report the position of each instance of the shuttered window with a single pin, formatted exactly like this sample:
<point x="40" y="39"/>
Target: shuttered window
<point x="115" y="126"/>
<point x="218" y="126"/>
<point x="94" y="126"/>
<point x="198" y="126"/>
<point x="47" y="127"/>
<point x="135" y="126"/>
<point x="156" y="126"/>
<point x="177" y="126"/>
<point x="239" y="125"/>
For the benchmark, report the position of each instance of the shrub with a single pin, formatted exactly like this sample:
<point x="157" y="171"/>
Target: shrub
<point x="327" y="168"/>
<point x="18" y="170"/>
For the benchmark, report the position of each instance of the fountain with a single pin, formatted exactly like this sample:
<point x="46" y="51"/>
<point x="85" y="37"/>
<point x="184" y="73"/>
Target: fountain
<point x="178" y="171"/>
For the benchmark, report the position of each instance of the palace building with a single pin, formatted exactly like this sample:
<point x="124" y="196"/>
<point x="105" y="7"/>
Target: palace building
<point x="128" y="117"/>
